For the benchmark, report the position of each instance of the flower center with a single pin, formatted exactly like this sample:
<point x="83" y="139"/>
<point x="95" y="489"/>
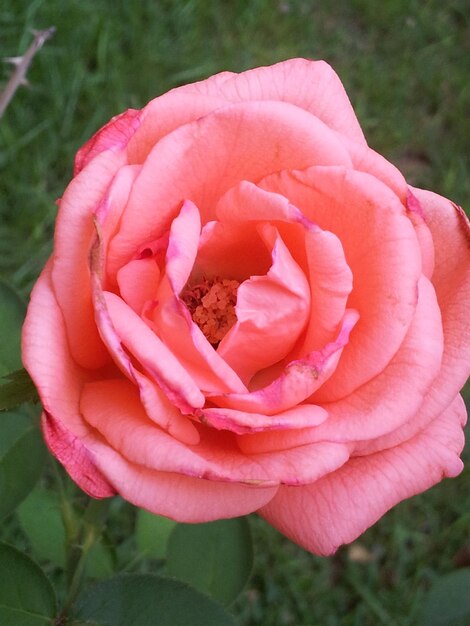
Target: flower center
<point x="211" y="303"/>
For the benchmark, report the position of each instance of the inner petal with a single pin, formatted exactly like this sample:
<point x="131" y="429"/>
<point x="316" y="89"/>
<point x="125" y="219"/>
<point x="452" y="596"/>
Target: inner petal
<point x="272" y="311"/>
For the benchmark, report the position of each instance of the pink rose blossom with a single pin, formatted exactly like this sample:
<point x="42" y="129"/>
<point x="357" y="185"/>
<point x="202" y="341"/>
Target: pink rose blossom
<point x="248" y="309"/>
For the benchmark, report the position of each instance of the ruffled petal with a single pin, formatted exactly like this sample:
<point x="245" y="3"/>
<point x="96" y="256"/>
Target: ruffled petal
<point x="242" y="422"/>
<point x="271" y="313"/>
<point x="380" y="247"/>
<point x="75" y="457"/>
<point x="153" y="355"/>
<point x="340" y="506"/>
<point x="201" y="160"/>
<point x="113" y="407"/>
<point x="297" y="381"/>
<point x="171" y="319"/>
<point x="318" y="252"/>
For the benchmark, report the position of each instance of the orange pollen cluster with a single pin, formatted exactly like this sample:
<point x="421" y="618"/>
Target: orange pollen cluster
<point x="212" y="306"/>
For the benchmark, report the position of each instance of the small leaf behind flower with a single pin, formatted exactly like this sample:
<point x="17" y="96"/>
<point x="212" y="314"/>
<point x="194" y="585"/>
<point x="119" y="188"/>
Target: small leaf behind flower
<point x="26" y="595"/>
<point x="22" y="456"/>
<point x="48" y="537"/>
<point x="216" y="557"/>
<point x="448" y="601"/>
<point x="152" y="533"/>
<point x="147" y="600"/>
<point x="16" y="388"/>
<point x="12" y="312"/>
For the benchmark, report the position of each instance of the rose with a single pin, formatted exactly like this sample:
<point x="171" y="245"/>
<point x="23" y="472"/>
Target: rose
<point x="248" y="309"/>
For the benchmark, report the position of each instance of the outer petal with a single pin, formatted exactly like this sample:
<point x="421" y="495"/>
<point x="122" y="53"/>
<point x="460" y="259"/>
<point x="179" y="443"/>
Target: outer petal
<point x="386" y="402"/>
<point x="76" y="458"/>
<point x="165" y="113"/>
<point x="185" y="499"/>
<point x="339" y="507"/>
<point x="46" y="356"/>
<point x="113" y="408"/>
<point x="310" y="85"/>
<point x="451" y="278"/>
<point x="73" y="237"/>
<point x="114" y="135"/>
<point x="450" y="231"/>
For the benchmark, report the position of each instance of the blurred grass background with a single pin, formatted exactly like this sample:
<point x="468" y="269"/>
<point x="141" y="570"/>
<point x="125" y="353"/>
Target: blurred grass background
<point x="406" y="67"/>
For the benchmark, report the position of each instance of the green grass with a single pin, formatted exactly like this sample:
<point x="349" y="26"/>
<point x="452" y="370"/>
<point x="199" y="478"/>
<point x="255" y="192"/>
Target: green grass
<point x="405" y="65"/>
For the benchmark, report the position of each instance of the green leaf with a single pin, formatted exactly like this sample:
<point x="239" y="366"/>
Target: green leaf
<point x="48" y="537"/>
<point x="26" y="595"/>
<point x="448" y="601"/>
<point x="16" y="388"/>
<point x="22" y="457"/>
<point x="12" y="312"/>
<point x="216" y="557"/>
<point x="147" y="600"/>
<point x="152" y="533"/>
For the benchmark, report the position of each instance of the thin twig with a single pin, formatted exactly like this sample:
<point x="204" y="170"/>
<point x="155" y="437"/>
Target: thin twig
<point x="22" y="64"/>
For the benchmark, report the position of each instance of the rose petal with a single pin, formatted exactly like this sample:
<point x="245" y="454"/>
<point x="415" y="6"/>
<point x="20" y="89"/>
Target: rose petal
<point x="232" y="251"/>
<point x="75" y="457"/>
<point x="364" y="159"/>
<point x="165" y="113"/>
<point x="113" y="408"/>
<point x="200" y="161"/>
<point x="310" y="85"/>
<point x="381" y="249"/>
<point x="318" y="252"/>
<point x="385" y="402"/>
<point x="396" y="394"/>
<point x="179" y="497"/>
<point x="151" y="353"/>
<point x="162" y="412"/>
<point x="46" y="356"/>
<point x="418" y="219"/>
<point x="339" y="507"/>
<point x="138" y="282"/>
<point x="73" y="237"/>
<point x="114" y="135"/>
<point x="451" y="278"/>
<point x="171" y="319"/>
<point x="271" y="313"/>
<point x="298" y="380"/>
<point x="242" y="422"/>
